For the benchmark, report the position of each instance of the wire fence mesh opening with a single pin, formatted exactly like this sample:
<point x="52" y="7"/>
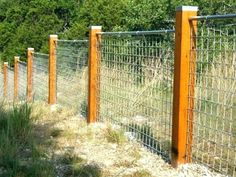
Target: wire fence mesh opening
<point x="135" y="81"/>
<point x="40" y="77"/>
<point x="214" y="82"/>
<point x="72" y="74"/>
<point x="22" y="80"/>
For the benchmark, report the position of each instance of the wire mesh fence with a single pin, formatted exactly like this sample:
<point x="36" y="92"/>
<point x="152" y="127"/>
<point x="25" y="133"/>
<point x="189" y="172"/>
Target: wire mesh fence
<point x="10" y="84"/>
<point x="22" y="80"/>
<point x="135" y="84"/>
<point x="40" y="77"/>
<point x="72" y="74"/>
<point x="214" y="81"/>
<point x="135" y="87"/>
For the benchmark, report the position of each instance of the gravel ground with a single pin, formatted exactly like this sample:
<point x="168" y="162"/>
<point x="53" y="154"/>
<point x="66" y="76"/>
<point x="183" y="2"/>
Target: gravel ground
<point x="89" y="143"/>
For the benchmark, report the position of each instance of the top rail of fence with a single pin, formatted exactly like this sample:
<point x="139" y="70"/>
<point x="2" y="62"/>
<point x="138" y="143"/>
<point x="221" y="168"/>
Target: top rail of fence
<point x="208" y="17"/>
<point x="137" y="32"/>
<point x="72" y="41"/>
<point x="22" y="62"/>
<point x="41" y="54"/>
<point x="10" y="68"/>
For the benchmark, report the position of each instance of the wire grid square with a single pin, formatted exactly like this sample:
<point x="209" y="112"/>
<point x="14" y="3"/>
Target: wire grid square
<point x="72" y="75"/>
<point x="214" y="110"/>
<point x="135" y="81"/>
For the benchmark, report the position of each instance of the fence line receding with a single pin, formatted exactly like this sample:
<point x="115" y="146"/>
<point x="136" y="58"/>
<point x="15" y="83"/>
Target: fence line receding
<point x="172" y="90"/>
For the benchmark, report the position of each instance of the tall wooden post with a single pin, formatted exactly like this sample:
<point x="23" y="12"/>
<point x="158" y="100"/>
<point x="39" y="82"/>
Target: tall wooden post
<point x="30" y="52"/>
<point x="5" y="79"/>
<point x="52" y="69"/>
<point x="93" y="90"/>
<point x="16" y="78"/>
<point x="180" y="147"/>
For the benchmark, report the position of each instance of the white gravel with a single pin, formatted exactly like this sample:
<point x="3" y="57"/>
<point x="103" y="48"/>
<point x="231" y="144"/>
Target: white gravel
<point x="90" y="144"/>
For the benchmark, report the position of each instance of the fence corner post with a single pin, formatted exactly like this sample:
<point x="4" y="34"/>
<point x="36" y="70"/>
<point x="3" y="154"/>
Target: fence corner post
<point x="5" y="79"/>
<point x="16" y="77"/>
<point x="52" y="69"/>
<point x="93" y="89"/>
<point x="30" y="52"/>
<point x="181" y="84"/>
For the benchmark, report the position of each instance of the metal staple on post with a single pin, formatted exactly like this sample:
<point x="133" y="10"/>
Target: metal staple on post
<point x="52" y="69"/>
<point x="93" y="65"/>
<point x="16" y="79"/>
<point x="181" y="81"/>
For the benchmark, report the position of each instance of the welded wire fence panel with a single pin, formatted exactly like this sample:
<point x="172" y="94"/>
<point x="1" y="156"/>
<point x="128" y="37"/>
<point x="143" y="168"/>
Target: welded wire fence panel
<point x="10" y="84"/>
<point x="72" y="74"/>
<point x="135" y="84"/>
<point x="214" y="83"/>
<point x="40" y="76"/>
<point x="22" y="80"/>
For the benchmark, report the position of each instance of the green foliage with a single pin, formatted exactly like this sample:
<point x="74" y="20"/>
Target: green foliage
<point x="28" y="23"/>
<point x="19" y="155"/>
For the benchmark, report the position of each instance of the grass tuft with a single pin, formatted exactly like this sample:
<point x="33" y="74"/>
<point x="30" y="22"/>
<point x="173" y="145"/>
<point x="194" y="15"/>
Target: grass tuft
<point x="56" y="132"/>
<point x="115" y="136"/>
<point x="19" y="154"/>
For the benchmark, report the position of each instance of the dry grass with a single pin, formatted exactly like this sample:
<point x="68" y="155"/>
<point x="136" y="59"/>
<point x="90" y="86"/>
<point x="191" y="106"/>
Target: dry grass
<point x="78" y="149"/>
<point x="115" y="136"/>
<point x="215" y="123"/>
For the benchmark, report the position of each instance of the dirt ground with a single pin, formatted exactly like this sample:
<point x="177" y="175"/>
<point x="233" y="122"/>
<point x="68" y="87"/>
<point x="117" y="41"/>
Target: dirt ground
<point x="95" y="150"/>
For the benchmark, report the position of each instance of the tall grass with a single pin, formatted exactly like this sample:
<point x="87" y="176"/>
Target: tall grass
<point x="19" y="154"/>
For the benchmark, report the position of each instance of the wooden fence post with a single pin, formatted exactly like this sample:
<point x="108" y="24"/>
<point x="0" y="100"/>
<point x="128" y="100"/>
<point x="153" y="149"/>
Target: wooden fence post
<point x="5" y="79"/>
<point x="30" y="52"/>
<point x="52" y="69"/>
<point x="181" y="84"/>
<point x="93" y="90"/>
<point x="16" y="77"/>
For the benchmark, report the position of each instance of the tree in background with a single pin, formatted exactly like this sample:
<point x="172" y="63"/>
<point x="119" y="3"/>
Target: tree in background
<point x="28" y="23"/>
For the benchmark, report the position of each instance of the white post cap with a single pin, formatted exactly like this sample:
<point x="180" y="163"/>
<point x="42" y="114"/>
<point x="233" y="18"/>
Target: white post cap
<point x="53" y="36"/>
<point x="31" y="49"/>
<point x="96" y="27"/>
<point x="187" y="8"/>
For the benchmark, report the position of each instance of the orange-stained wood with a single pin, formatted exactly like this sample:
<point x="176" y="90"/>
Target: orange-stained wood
<point x="5" y="79"/>
<point x="52" y="69"/>
<point x="192" y="77"/>
<point x="30" y="52"/>
<point x="181" y="85"/>
<point x="16" y="77"/>
<point x="93" y="92"/>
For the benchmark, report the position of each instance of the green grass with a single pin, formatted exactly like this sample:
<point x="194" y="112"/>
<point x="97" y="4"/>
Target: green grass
<point x="115" y="136"/>
<point x="19" y="154"/>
